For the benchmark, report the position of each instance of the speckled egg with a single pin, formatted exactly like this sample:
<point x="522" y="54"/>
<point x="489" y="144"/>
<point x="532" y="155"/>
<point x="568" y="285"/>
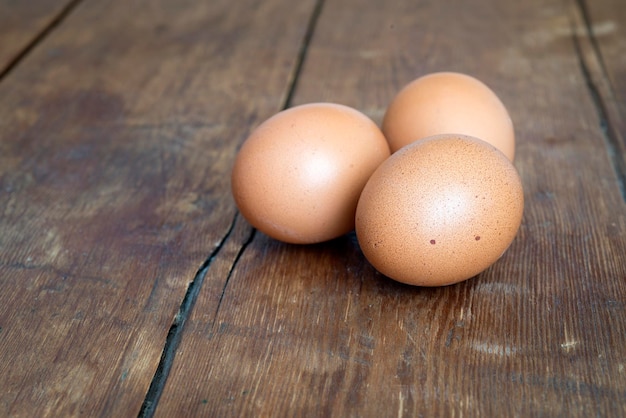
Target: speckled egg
<point x="440" y="210"/>
<point x="298" y="176"/>
<point x="448" y="102"/>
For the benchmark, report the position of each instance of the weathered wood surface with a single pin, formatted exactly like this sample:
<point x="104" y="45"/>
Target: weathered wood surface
<point x="314" y="331"/>
<point x="117" y="134"/>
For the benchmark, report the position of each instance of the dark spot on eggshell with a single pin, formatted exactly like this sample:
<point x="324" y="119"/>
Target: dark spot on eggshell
<point x="477" y="238"/>
<point x="433" y="242"/>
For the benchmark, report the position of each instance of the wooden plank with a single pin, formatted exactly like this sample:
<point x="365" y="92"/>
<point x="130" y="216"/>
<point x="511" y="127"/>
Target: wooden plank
<point x="315" y="331"/>
<point x="115" y="134"/>
<point x="22" y="23"/>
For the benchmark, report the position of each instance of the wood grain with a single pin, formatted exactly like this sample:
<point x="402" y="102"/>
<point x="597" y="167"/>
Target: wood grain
<point x="22" y="23"/>
<point x="116" y="132"/>
<point x="315" y="331"/>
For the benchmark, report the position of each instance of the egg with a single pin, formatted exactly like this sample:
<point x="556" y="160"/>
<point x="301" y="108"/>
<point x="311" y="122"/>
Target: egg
<point x="448" y="102"/>
<point x="440" y="210"/>
<point x="299" y="175"/>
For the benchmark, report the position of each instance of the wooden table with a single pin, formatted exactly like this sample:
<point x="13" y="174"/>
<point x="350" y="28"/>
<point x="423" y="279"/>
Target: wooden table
<point x="130" y="285"/>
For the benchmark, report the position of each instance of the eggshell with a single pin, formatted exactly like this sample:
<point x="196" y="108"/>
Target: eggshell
<point x="298" y="176"/>
<point x="440" y="210"/>
<point x="448" y="102"/>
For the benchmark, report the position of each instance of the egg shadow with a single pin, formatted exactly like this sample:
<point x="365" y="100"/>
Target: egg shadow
<point x="337" y="265"/>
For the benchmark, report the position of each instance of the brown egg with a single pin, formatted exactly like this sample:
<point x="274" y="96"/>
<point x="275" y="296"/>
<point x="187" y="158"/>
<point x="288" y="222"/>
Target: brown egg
<point x="448" y="102"/>
<point x="439" y="211"/>
<point x="298" y="177"/>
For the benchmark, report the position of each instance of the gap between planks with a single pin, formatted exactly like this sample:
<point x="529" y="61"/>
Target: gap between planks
<point x="150" y="403"/>
<point x="174" y="335"/>
<point x="598" y="84"/>
<point x="37" y="39"/>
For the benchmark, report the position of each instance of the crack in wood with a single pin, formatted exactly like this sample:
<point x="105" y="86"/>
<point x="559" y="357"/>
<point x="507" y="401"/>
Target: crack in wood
<point x="175" y="333"/>
<point x="586" y="17"/>
<point x="610" y="133"/>
<point x="54" y="23"/>
<point x="293" y="79"/>
<point x="230" y="273"/>
<point x="176" y="330"/>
